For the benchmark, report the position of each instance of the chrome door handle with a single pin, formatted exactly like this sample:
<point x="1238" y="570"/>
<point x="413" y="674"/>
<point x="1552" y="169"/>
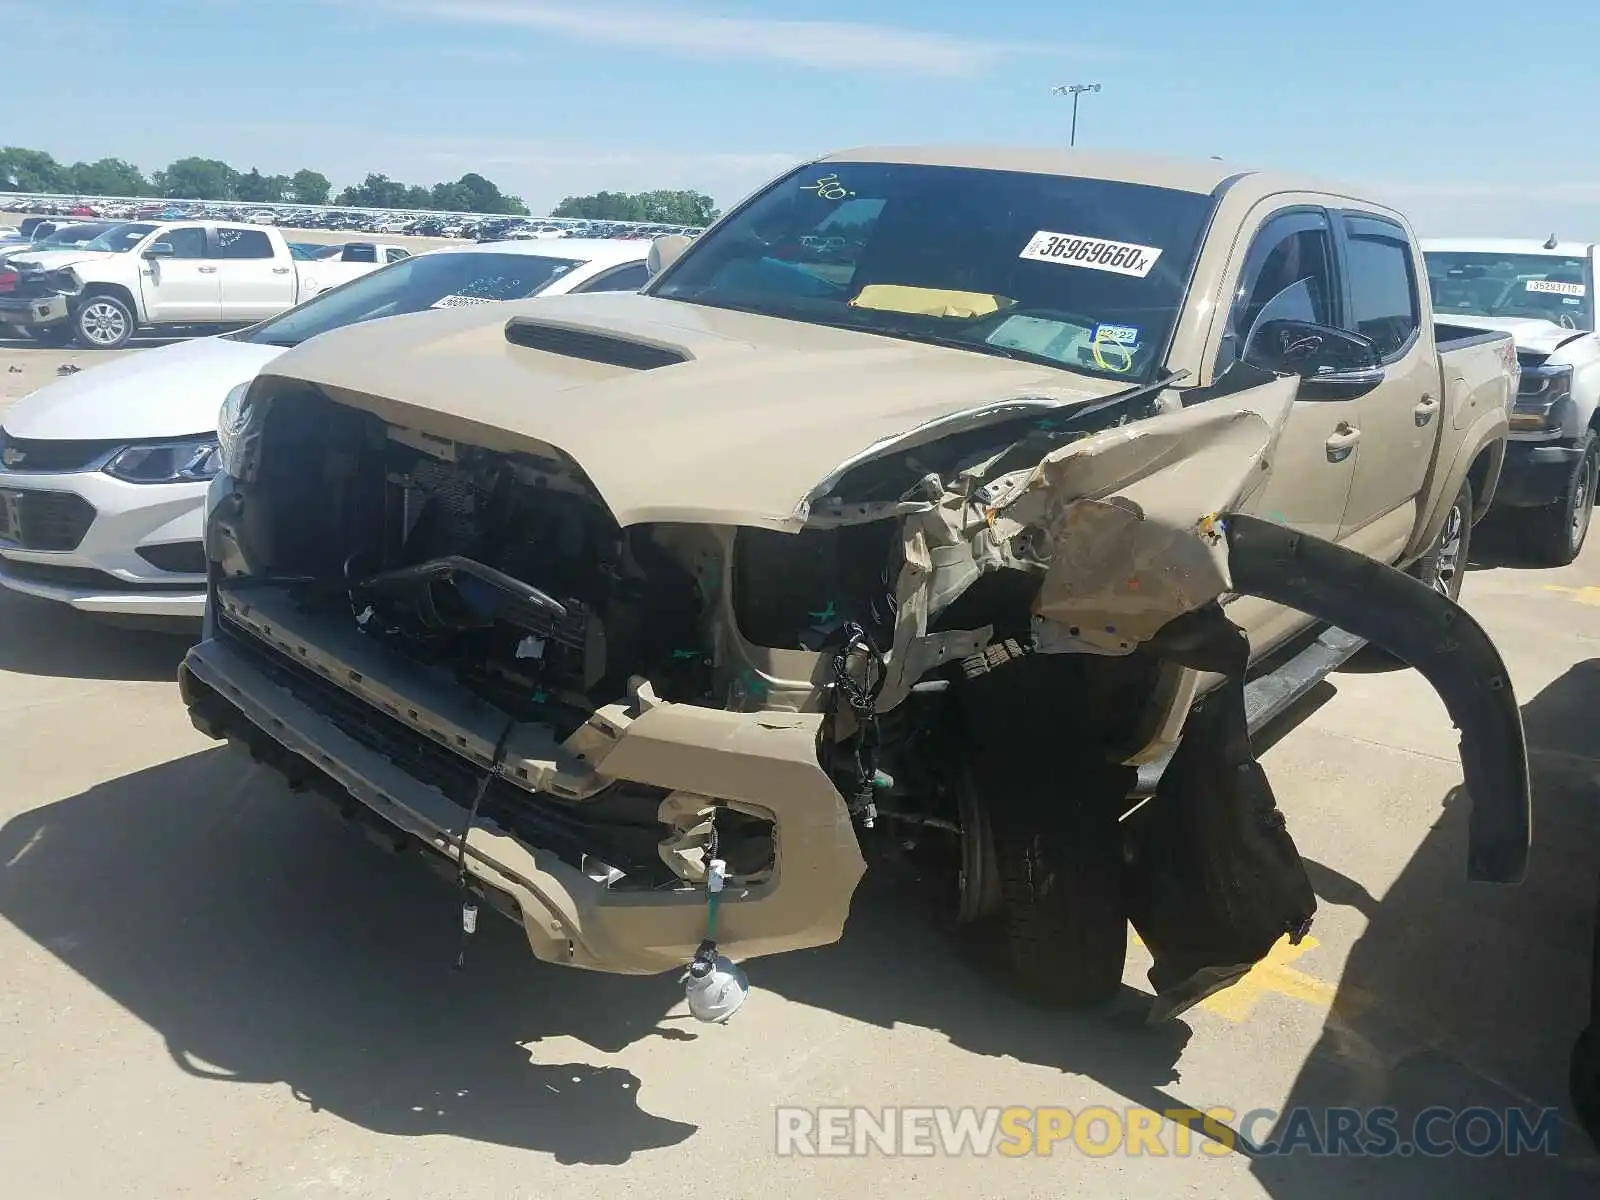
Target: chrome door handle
<point x="208" y="270"/>
<point x="1341" y="441"/>
<point x="280" y="270"/>
<point x="1425" y="409"/>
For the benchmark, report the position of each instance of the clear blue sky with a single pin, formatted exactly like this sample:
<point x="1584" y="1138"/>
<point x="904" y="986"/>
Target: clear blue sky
<point x="1449" y="110"/>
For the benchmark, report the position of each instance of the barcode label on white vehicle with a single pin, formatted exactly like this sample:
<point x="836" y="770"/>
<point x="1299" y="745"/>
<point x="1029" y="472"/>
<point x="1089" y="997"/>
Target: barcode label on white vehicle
<point x="458" y="301"/>
<point x="1555" y="287"/>
<point x="1098" y="254"/>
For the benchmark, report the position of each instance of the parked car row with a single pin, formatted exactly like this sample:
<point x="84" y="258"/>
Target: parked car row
<point x="405" y="221"/>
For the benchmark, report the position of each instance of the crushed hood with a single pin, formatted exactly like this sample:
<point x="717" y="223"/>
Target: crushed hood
<point x="168" y="392"/>
<point x="1529" y="333"/>
<point x="676" y="412"/>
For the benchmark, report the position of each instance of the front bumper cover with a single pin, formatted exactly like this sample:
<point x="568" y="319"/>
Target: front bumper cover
<point x="1535" y="474"/>
<point x="105" y="573"/>
<point x="762" y="761"/>
<point x="31" y="312"/>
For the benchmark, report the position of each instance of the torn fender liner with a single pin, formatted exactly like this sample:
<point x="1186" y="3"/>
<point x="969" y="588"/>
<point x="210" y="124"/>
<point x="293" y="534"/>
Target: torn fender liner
<point x="1214" y="878"/>
<point x="1431" y="633"/>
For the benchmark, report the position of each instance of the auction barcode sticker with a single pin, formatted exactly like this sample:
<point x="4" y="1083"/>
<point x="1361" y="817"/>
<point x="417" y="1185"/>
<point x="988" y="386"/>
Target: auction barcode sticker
<point x="1556" y="287"/>
<point x="456" y="301"/>
<point x="1098" y="254"/>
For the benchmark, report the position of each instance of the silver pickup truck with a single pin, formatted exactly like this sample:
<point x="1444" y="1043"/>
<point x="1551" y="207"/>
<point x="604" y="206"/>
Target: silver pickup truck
<point x="966" y="505"/>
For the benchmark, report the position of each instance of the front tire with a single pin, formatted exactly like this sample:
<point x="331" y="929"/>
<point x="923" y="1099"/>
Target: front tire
<point x="103" y="322"/>
<point x="1553" y="535"/>
<point x="1063" y="913"/>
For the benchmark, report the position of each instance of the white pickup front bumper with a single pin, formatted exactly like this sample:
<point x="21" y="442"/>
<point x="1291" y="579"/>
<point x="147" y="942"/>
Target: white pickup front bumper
<point x="102" y="570"/>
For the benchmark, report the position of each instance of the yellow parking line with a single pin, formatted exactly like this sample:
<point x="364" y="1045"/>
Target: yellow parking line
<point x="1583" y="595"/>
<point x="1274" y="976"/>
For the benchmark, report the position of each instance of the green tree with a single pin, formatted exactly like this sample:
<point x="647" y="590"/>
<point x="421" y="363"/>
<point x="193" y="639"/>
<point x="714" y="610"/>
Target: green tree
<point x="197" y="179"/>
<point x="108" y="177"/>
<point x="417" y="196"/>
<point x="660" y="207"/>
<point x="310" y="187"/>
<point x="31" y="171"/>
<point x="261" y="189"/>
<point x="375" y="191"/>
<point x="450" y="197"/>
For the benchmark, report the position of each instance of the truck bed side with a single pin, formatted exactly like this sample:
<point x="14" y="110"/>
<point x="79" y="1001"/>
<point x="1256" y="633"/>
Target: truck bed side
<point x="1478" y="380"/>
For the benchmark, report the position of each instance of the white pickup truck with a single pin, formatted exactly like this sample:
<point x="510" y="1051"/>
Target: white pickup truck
<point x="183" y="273"/>
<point x="1542" y="293"/>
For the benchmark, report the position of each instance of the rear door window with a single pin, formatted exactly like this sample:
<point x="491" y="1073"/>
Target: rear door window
<point x="1384" y="305"/>
<point x="243" y="243"/>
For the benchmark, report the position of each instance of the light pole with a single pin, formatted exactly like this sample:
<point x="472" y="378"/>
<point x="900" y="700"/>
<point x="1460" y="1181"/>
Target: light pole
<point x="1074" y="90"/>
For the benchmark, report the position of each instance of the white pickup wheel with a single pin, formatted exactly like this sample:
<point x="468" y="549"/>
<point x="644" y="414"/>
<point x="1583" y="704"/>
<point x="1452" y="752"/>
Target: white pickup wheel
<point x="1555" y="533"/>
<point x="103" y="322"/>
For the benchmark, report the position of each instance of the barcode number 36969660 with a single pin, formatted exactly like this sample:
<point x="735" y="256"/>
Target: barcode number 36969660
<point x="1098" y="254"/>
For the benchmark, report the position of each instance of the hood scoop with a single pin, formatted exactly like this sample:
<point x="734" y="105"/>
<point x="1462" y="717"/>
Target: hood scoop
<point x="586" y="344"/>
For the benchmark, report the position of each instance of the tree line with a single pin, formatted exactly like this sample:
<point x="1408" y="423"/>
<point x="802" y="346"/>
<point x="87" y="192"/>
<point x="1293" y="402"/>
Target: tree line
<point x="195" y="178"/>
<point x="660" y="207"/>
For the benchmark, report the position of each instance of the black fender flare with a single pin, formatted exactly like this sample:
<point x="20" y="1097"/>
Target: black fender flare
<point x="1432" y="634"/>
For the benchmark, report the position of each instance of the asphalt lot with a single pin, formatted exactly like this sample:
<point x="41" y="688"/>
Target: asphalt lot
<point x="210" y="987"/>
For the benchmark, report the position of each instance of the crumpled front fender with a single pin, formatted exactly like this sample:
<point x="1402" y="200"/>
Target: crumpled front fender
<point x="1429" y="632"/>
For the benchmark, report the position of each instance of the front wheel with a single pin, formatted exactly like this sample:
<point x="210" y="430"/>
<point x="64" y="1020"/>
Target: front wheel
<point x="1063" y="914"/>
<point x="103" y="323"/>
<point x="1555" y="533"/>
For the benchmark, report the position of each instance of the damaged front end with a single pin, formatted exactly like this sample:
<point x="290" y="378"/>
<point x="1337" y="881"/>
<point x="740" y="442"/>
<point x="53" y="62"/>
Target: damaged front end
<point x="951" y="648"/>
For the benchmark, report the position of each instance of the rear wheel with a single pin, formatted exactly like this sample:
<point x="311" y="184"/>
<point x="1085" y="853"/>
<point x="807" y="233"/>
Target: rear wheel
<point x="1554" y="534"/>
<point x="1444" y="567"/>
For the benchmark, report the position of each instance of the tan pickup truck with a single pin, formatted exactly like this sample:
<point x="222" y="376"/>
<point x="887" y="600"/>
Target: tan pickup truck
<point x="912" y="515"/>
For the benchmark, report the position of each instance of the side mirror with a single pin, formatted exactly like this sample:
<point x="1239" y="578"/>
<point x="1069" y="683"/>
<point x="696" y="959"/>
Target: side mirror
<point x="1333" y="363"/>
<point x="665" y="251"/>
<point x="160" y="250"/>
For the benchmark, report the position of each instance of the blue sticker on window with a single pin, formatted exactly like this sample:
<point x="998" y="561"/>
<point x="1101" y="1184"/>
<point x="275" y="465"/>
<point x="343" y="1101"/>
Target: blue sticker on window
<point x="1121" y="335"/>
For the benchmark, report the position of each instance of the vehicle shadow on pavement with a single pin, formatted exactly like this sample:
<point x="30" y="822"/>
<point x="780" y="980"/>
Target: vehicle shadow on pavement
<point x="267" y="943"/>
<point x="895" y="967"/>
<point x="1463" y="994"/>
<point x="38" y="637"/>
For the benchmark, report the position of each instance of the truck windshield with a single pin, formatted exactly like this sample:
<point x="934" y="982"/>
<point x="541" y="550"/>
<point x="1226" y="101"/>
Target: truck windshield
<point x="70" y="237"/>
<point x="1546" y="287"/>
<point x="1084" y="274"/>
<point x="119" y="238"/>
<point x="438" y="280"/>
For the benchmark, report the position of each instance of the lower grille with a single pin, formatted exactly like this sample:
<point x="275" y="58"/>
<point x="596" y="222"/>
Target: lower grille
<point x="45" y="520"/>
<point x="184" y="558"/>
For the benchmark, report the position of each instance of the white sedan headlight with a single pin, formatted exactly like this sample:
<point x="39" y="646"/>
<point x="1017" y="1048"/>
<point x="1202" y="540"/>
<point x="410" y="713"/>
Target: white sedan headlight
<point x="193" y="460"/>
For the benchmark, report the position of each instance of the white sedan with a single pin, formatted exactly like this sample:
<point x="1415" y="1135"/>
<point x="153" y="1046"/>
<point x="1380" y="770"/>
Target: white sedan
<point x="103" y="474"/>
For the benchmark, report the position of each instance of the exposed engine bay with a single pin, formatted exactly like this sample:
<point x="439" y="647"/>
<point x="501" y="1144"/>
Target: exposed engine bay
<point x="947" y="662"/>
